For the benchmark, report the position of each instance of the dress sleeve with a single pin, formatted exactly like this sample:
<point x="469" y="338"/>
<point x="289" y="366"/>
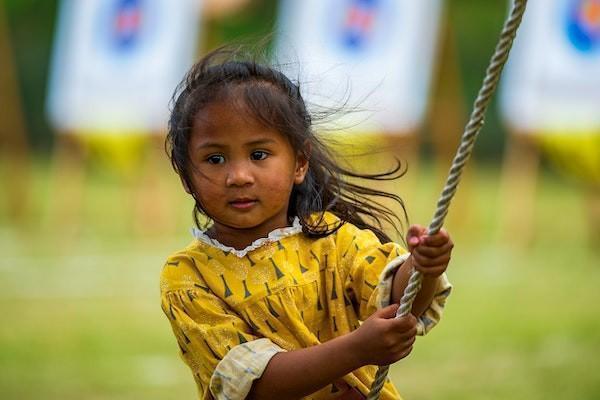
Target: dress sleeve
<point x="222" y="351"/>
<point x="371" y="270"/>
<point x="363" y="259"/>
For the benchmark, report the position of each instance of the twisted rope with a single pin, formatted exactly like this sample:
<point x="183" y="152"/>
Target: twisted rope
<point x="469" y="136"/>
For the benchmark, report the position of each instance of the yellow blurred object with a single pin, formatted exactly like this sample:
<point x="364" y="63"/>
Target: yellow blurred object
<point x="577" y="154"/>
<point x="120" y="152"/>
<point x="222" y="8"/>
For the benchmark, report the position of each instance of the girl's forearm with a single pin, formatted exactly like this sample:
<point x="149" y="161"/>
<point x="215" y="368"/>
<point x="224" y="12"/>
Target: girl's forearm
<point x="293" y="374"/>
<point x="425" y="295"/>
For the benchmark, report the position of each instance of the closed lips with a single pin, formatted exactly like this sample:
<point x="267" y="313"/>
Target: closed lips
<point x="245" y="202"/>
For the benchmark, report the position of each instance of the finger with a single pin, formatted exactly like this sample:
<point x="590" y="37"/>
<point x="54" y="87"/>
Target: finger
<point x="416" y="230"/>
<point x="409" y="319"/>
<point x="413" y="235"/>
<point x="409" y="342"/>
<point x="405" y="323"/>
<point x="387" y="312"/>
<point x="438" y="239"/>
<point x="405" y="353"/>
<point x="403" y="346"/>
<point x="413" y="242"/>
<point x="433" y="271"/>
<point x="432" y="267"/>
<point x="423" y="261"/>
<point x="404" y="349"/>
<point x="432" y="252"/>
<point x="407" y="334"/>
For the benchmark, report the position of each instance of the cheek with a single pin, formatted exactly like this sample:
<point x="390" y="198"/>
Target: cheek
<point x="280" y="189"/>
<point x="207" y="190"/>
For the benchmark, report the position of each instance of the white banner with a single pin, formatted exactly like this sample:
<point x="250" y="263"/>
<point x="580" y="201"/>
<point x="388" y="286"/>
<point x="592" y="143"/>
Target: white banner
<point x="552" y="80"/>
<point x="116" y="63"/>
<point x="377" y="54"/>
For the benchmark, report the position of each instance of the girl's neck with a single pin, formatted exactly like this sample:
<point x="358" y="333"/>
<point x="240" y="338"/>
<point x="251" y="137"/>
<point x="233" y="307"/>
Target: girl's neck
<point x="230" y="238"/>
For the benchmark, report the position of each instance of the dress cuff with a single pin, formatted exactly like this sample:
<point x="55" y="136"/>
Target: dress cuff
<point x="433" y="314"/>
<point x="235" y="373"/>
<point x="386" y="279"/>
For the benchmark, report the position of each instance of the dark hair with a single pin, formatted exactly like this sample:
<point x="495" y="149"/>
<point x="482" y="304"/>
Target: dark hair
<point x="275" y="101"/>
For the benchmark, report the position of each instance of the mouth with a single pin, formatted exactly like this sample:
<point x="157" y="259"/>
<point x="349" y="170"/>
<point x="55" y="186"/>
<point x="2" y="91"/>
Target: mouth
<point x="243" y="203"/>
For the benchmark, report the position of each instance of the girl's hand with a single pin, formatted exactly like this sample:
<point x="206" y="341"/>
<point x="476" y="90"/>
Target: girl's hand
<point x="383" y="339"/>
<point x="430" y="254"/>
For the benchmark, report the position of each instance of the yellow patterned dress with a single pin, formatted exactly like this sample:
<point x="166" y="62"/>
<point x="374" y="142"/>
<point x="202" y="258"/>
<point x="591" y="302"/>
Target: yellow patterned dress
<point x="232" y="310"/>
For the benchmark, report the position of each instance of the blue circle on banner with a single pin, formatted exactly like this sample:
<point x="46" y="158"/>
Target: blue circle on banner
<point x="359" y="27"/>
<point x="125" y="28"/>
<point x="583" y="25"/>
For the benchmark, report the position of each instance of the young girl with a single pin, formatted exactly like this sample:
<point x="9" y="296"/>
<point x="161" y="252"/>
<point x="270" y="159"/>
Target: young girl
<point x="286" y="293"/>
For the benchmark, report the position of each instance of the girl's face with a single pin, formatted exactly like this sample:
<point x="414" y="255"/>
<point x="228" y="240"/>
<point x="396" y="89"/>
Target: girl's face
<point x="243" y="174"/>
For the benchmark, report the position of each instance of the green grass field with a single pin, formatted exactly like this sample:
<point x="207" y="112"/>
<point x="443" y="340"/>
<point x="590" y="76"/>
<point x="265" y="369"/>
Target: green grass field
<point x="81" y="316"/>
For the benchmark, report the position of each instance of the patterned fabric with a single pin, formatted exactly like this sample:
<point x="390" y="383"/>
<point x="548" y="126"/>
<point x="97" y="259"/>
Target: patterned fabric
<point x="231" y="314"/>
<point x="243" y="364"/>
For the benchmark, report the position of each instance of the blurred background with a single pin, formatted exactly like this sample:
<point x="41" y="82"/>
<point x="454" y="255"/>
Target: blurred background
<point x="90" y="207"/>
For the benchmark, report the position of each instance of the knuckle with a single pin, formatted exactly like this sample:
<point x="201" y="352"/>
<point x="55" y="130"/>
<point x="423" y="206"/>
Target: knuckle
<point x="405" y="320"/>
<point x="412" y="320"/>
<point x="404" y="353"/>
<point x="388" y="342"/>
<point x="418" y="258"/>
<point x="408" y="323"/>
<point x="385" y="338"/>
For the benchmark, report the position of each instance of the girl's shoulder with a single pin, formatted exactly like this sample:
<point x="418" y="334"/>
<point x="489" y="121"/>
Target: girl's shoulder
<point x="350" y="240"/>
<point x="180" y="270"/>
<point x="346" y="231"/>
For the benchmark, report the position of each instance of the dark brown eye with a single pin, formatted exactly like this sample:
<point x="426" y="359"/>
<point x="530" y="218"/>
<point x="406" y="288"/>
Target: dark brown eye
<point x="258" y="155"/>
<point x="215" y="159"/>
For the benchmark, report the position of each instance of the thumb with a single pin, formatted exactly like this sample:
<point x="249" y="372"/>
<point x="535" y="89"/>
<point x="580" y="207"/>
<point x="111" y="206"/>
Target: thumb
<point x="413" y="236"/>
<point x="387" y="312"/>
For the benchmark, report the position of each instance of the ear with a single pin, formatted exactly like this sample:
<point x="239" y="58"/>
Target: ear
<point x="301" y="167"/>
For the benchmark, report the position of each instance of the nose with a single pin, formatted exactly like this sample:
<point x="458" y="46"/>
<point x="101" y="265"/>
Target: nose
<point x="239" y="174"/>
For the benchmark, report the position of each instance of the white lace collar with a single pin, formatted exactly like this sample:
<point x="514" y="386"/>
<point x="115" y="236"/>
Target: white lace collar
<point x="273" y="236"/>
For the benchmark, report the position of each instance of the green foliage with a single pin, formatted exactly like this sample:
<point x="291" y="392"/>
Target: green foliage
<point x="31" y="24"/>
<point x="477" y="25"/>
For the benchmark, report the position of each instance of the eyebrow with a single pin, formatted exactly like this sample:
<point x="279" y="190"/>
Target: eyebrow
<point x="259" y="142"/>
<point x="217" y="145"/>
